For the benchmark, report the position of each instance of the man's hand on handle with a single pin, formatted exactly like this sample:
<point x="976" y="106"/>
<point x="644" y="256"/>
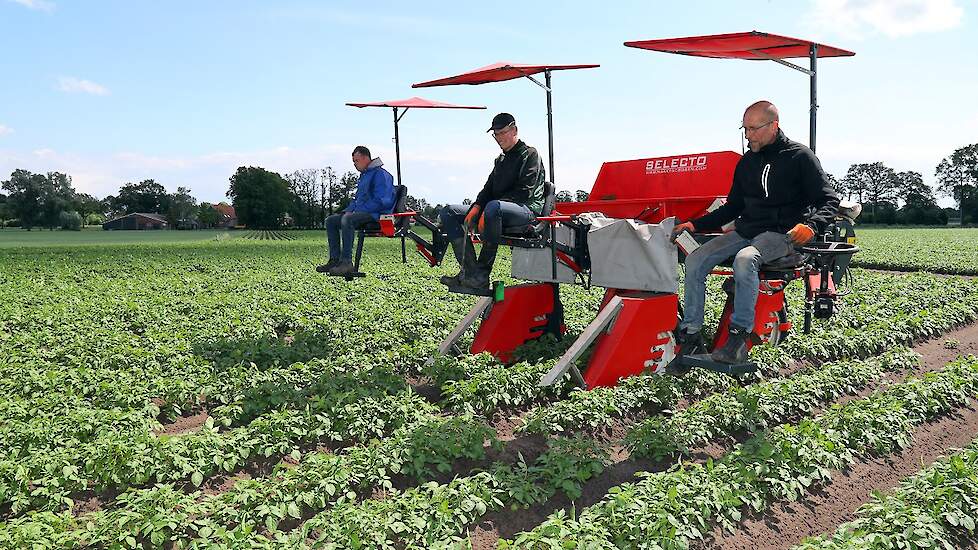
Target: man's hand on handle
<point x="472" y="218"/>
<point x="679" y="228"/>
<point x="801" y="234"/>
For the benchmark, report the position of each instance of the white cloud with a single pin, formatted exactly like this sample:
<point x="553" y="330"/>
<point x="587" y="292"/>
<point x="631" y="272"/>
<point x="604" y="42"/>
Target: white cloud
<point x="4" y="130"/>
<point x="40" y="5"/>
<point x="71" y="84"/>
<point x="893" y="18"/>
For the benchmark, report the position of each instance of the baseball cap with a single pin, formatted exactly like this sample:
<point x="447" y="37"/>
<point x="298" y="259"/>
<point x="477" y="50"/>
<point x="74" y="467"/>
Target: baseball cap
<point x="501" y="121"/>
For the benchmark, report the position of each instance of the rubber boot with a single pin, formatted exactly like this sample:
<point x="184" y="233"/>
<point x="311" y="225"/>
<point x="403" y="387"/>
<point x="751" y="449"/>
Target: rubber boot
<point x="734" y="350"/>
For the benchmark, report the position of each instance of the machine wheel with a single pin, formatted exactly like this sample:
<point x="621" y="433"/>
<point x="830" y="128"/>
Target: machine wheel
<point x="775" y="336"/>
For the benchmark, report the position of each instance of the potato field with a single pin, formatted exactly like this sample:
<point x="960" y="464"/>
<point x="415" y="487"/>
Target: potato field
<point x="218" y="393"/>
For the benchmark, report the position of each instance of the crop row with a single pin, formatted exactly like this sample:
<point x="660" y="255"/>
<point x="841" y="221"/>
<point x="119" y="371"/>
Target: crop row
<point x="761" y="405"/>
<point x="668" y="509"/>
<point x="359" y="409"/>
<point x="935" y="508"/>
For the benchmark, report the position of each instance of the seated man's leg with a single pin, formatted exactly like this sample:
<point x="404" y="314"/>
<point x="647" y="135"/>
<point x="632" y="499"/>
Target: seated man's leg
<point x="348" y="225"/>
<point x="452" y="217"/>
<point x="699" y="264"/>
<point x="333" y="238"/>
<point x="763" y="248"/>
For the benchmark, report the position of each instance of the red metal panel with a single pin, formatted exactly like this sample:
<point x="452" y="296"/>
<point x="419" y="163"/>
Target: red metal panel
<point x="652" y="189"/>
<point x="639" y="339"/>
<point x="741" y="45"/>
<point x="520" y="317"/>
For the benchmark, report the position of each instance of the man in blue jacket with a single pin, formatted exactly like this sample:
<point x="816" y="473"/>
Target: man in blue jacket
<point x="375" y="196"/>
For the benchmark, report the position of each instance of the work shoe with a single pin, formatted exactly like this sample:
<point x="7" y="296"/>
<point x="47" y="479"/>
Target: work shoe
<point x="734" y="350"/>
<point x="690" y="343"/>
<point x="328" y="265"/>
<point x="342" y="269"/>
<point x="451" y="280"/>
<point x="475" y="281"/>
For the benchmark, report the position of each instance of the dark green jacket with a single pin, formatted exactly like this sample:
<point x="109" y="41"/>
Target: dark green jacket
<point x="517" y="176"/>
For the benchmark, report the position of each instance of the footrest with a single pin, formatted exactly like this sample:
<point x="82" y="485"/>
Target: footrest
<point x="348" y="276"/>
<point x="497" y="292"/>
<point x="703" y="361"/>
<point x="470" y="291"/>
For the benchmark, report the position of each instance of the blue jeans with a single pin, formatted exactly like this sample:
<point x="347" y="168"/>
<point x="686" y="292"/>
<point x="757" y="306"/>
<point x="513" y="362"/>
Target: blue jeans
<point x="500" y="216"/>
<point x="345" y="223"/>
<point x="749" y="255"/>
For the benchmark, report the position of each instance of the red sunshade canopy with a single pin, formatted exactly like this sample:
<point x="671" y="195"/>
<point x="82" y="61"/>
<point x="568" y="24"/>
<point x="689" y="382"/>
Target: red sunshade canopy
<point x="754" y="45"/>
<point x="415" y="103"/>
<point x="497" y="72"/>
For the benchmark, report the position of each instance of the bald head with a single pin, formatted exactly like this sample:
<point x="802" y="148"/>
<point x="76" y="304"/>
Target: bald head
<point x="763" y="108"/>
<point x="760" y="124"/>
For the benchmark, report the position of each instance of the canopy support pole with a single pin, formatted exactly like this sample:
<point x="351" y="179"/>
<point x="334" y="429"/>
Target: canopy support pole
<point x="550" y="117"/>
<point x="397" y="142"/>
<point x="813" y="108"/>
<point x="550" y="127"/>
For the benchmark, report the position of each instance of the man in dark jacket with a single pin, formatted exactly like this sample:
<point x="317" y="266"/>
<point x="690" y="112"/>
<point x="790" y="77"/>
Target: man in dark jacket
<point x="512" y="197"/>
<point x="780" y="197"/>
<point x="374" y="196"/>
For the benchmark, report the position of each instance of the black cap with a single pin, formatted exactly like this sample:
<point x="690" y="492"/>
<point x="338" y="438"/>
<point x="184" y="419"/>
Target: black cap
<point x="501" y="121"/>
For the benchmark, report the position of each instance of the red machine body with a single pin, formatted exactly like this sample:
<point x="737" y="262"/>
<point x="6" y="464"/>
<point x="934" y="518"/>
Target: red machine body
<point x="526" y="312"/>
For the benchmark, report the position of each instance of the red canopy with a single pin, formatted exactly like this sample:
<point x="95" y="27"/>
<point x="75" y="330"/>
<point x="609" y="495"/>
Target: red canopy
<point x="741" y="45"/>
<point x="497" y="72"/>
<point x="415" y="103"/>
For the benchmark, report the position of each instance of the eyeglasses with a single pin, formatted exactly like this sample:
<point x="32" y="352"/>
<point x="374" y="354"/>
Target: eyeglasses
<point x="749" y="129"/>
<point x="502" y="131"/>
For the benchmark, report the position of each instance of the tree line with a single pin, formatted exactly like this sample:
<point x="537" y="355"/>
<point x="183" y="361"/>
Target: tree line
<point x="304" y="198"/>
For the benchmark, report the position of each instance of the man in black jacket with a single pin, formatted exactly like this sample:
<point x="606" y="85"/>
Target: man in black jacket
<point x="512" y="197"/>
<point x="780" y="197"/>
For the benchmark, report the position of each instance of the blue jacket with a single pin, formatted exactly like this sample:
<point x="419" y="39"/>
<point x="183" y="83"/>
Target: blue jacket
<point x="375" y="191"/>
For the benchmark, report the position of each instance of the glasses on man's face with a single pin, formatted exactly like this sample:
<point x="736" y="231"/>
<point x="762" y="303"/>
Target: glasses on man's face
<point x="750" y="129"/>
<point x="502" y="132"/>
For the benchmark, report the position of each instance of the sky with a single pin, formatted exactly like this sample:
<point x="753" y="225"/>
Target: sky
<point x="184" y="92"/>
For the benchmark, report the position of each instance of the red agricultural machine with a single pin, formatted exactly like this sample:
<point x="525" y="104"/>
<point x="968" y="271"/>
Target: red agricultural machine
<point x="619" y="240"/>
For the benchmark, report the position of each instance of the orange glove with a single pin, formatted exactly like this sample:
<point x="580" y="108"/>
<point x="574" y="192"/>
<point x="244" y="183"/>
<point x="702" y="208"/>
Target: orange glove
<point x="679" y="228"/>
<point x="801" y="234"/>
<point x="472" y="216"/>
<point x="482" y="223"/>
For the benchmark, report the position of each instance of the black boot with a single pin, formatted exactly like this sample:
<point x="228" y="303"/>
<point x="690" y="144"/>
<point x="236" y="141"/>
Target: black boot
<point x="734" y="350"/>
<point x="690" y="343"/>
<point x="465" y="254"/>
<point x="477" y="278"/>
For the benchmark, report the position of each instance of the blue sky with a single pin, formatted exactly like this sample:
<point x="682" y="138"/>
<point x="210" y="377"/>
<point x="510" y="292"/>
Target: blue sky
<point x="184" y="92"/>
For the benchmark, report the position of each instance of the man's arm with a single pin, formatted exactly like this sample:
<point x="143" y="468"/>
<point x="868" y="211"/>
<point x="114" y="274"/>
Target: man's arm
<point x="728" y="211"/>
<point x="819" y="194"/>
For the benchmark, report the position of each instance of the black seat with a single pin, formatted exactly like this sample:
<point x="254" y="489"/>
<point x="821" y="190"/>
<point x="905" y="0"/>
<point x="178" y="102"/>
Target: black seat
<point x="372" y="229"/>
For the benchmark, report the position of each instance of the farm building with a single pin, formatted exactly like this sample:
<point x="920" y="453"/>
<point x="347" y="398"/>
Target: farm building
<point x="226" y="216"/>
<point x="137" y="220"/>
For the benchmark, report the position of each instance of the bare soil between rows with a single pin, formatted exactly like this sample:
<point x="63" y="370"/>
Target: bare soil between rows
<point x="785" y="524"/>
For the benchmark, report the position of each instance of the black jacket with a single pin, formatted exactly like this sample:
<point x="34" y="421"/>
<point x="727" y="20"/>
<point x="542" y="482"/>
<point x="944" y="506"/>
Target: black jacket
<point x="775" y="189"/>
<point x="517" y="176"/>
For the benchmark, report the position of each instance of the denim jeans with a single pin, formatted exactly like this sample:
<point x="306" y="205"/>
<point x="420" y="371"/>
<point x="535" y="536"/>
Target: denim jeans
<point x="749" y="255"/>
<point x="498" y="214"/>
<point x="344" y="223"/>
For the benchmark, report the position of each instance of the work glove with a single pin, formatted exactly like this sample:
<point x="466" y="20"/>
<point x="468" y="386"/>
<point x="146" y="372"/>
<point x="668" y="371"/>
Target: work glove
<point x="679" y="228"/>
<point x="801" y="234"/>
<point x="473" y="216"/>
<point x="482" y="224"/>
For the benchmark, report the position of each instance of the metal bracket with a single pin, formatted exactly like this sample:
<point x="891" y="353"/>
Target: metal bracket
<point x="566" y="362"/>
<point x="788" y="64"/>
<point x="478" y="309"/>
